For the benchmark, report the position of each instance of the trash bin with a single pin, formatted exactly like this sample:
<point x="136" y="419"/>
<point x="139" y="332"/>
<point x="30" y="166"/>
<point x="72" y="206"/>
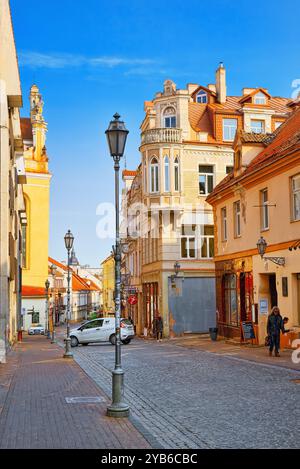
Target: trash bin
<point x="213" y="332"/>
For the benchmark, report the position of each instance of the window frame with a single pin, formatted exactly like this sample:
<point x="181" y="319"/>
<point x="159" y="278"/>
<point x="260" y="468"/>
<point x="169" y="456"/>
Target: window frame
<point x="166" y="173"/>
<point x="264" y="213"/>
<point x="237" y="219"/>
<point x="263" y="128"/>
<point x="293" y="198"/>
<point x="206" y="175"/>
<point x="188" y="239"/>
<point x="202" y="94"/>
<point x="154" y="172"/>
<point x="207" y="238"/>
<point x="176" y="174"/>
<point x="260" y="96"/>
<point x="169" y="116"/>
<point x="224" y="224"/>
<point x="231" y="139"/>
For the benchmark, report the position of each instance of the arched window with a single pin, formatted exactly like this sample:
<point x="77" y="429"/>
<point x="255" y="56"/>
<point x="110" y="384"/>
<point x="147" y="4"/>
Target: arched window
<point x="201" y="97"/>
<point x="145" y="176"/>
<point x="169" y="117"/>
<point x="167" y="174"/>
<point x="154" y="172"/>
<point x="176" y="174"/>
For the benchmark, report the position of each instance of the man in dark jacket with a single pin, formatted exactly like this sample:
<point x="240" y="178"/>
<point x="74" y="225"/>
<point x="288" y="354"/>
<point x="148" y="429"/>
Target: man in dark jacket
<point x="274" y="327"/>
<point x="158" y="328"/>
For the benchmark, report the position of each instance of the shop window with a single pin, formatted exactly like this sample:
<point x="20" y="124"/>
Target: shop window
<point x="230" y="299"/>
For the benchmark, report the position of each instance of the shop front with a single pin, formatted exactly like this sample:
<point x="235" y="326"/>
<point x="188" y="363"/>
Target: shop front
<point x="235" y="302"/>
<point x="150" y="306"/>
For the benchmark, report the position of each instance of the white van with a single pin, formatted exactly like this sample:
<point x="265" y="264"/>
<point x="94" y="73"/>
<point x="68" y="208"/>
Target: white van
<point x="101" y="330"/>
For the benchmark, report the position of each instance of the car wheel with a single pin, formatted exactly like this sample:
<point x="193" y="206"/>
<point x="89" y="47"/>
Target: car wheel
<point x="74" y="342"/>
<point x="112" y="339"/>
<point x="126" y="341"/>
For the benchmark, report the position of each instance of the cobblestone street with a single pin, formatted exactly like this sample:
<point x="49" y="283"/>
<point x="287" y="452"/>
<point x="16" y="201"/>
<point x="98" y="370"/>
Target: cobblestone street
<point x="186" y="398"/>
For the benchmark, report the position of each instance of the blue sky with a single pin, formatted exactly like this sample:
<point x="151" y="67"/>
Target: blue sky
<point x="93" y="58"/>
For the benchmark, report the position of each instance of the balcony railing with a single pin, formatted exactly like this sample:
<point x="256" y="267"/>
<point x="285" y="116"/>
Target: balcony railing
<point x="168" y="135"/>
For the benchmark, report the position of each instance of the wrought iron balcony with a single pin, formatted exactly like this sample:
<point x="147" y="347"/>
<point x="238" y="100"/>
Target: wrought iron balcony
<point x="166" y="135"/>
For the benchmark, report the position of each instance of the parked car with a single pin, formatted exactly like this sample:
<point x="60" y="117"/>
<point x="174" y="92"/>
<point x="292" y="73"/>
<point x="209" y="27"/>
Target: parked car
<point x="36" y="329"/>
<point x="101" y="330"/>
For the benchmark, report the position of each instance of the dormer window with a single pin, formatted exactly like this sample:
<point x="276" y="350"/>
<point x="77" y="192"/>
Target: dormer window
<point x="170" y="117"/>
<point x="201" y="97"/>
<point x="260" y="98"/>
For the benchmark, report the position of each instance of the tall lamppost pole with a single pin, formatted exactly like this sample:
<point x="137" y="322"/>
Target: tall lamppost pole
<point x="53" y="273"/>
<point x="116" y="137"/>
<point x="47" y="286"/>
<point x="69" y="240"/>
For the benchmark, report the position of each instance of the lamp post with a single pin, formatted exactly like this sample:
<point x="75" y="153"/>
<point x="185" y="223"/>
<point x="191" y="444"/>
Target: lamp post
<point x="47" y="286"/>
<point x="53" y="273"/>
<point x="116" y="137"/>
<point x="69" y="241"/>
<point x="262" y="247"/>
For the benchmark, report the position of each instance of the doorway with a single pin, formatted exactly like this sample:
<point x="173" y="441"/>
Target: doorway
<point x="273" y="290"/>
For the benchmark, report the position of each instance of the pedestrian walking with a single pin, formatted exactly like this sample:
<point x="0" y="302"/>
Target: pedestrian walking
<point x="158" y="328"/>
<point x="275" y="326"/>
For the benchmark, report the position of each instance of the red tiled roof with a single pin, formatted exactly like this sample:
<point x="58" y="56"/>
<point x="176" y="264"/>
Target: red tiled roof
<point x="286" y="137"/>
<point x="33" y="292"/>
<point x="26" y="128"/>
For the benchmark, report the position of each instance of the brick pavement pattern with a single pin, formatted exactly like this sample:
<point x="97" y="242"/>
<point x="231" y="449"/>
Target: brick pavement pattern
<point x="34" y="385"/>
<point x="190" y="398"/>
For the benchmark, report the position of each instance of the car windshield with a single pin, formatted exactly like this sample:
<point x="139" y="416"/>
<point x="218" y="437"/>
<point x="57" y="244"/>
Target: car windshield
<point x="126" y="322"/>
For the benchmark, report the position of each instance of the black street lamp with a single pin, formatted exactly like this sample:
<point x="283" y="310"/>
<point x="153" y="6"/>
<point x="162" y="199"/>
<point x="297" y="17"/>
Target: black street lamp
<point x="69" y="241"/>
<point x="177" y="268"/>
<point x="116" y="135"/>
<point x="53" y="269"/>
<point x="262" y="247"/>
<point x="47" y="286"/>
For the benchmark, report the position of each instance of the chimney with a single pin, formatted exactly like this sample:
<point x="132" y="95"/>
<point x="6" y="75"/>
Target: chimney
<point x="221" y="83"/>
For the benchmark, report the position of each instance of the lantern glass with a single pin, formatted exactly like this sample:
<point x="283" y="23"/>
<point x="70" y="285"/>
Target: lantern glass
<point x="69" y="240"/>
<point x="47" y="284"/>
<point x="177" y="267"/>
<point x="261" y="246"/>
<point x="116" y="135"/>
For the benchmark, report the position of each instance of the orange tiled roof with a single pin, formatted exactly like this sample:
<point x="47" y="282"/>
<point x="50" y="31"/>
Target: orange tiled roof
<point x="253" y="137"/>
<point x="78" y="283"/>
<point x="257" y="90"/>
<point x="127" y="172"/>
<point x="26" y="128"/>
<point x="201" y="115"/>
<point x="28" y="291"/>
<point x="286" y="137"/>
<point x="285" y="140"/>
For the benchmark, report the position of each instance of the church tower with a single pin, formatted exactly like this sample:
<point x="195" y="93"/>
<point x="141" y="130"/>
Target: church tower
<point x="37" y="201"/>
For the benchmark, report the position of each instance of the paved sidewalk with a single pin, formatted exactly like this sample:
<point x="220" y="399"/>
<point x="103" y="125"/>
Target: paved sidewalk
<point x="34" y="385"/>
<point x="253" y="353"/>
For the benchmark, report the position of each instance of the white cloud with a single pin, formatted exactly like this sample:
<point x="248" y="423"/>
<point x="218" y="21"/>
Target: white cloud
<point x="58" y="61"/>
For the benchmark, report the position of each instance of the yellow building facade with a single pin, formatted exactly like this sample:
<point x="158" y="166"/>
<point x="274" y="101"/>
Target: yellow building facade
<point x="108" y="281"/>
<point x="37" y="201"/>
